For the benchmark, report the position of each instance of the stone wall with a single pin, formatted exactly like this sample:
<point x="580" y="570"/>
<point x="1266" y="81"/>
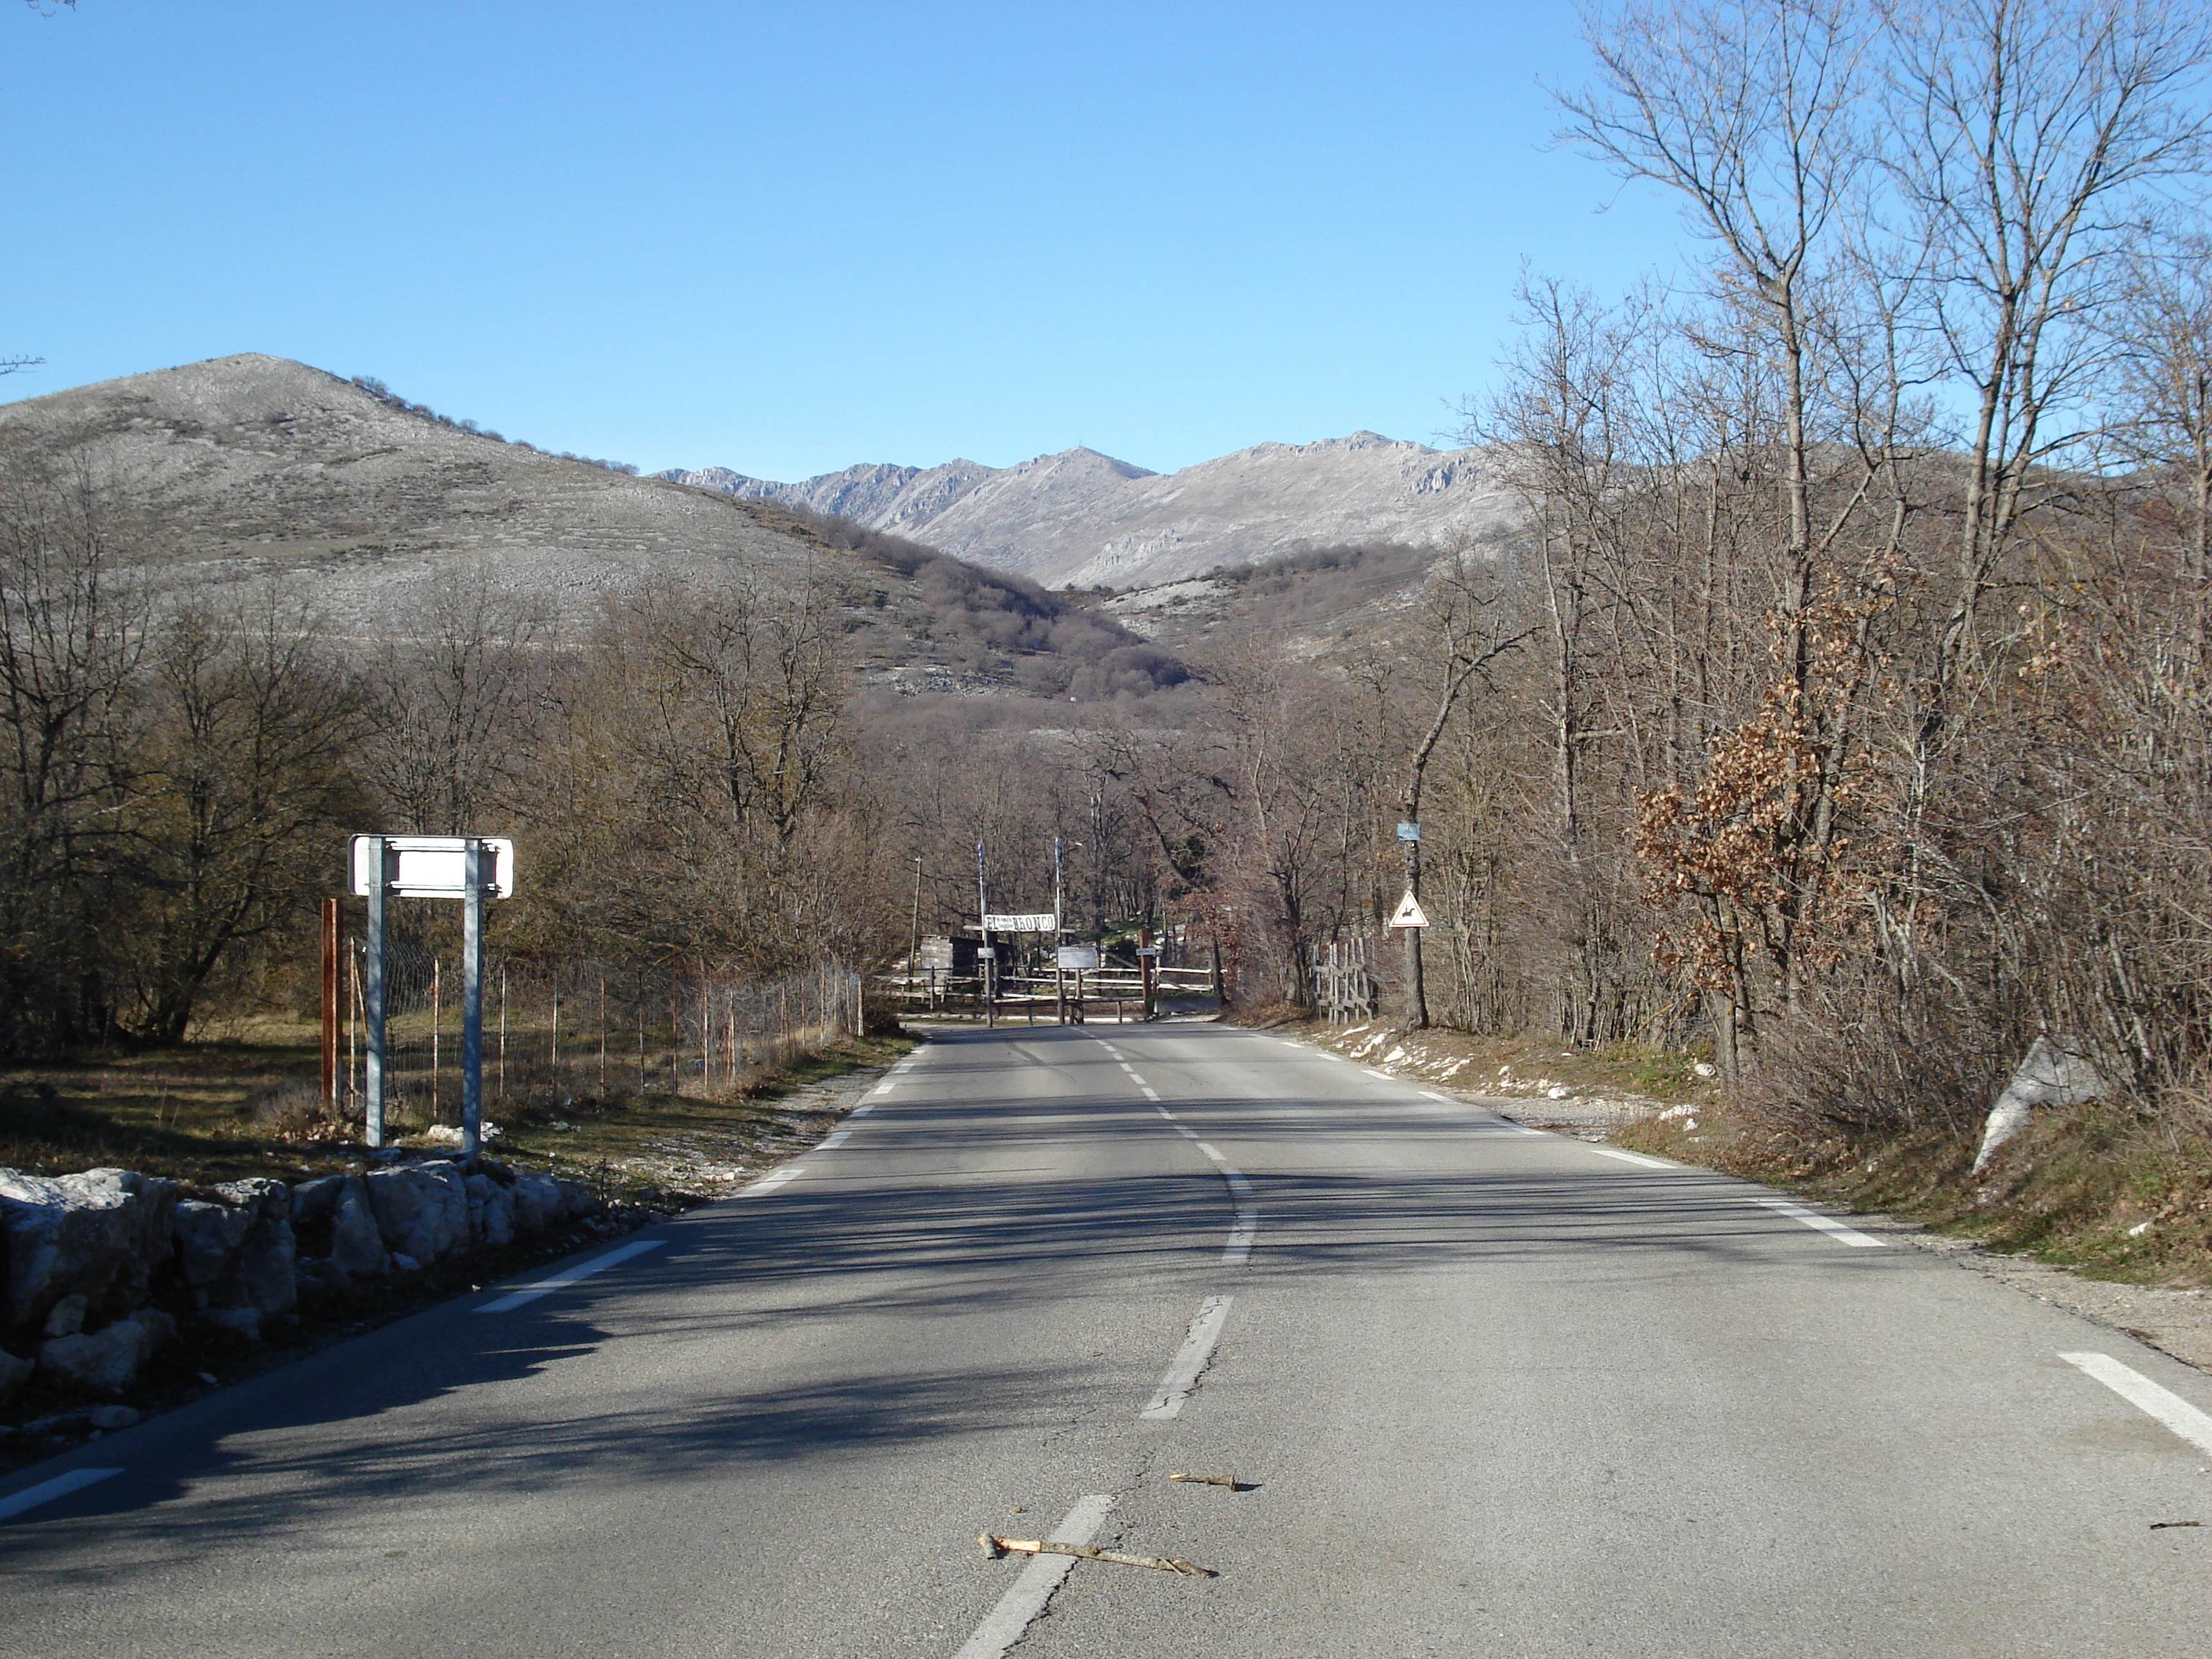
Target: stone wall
<point x="99" y="1271"/>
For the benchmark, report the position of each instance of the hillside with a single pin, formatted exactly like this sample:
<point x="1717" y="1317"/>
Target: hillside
<point x="240" y="468"/>
<point x="1082" y="519"/>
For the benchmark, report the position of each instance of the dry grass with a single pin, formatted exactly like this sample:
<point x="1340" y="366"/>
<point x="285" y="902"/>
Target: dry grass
<point x="209" y="1111"/>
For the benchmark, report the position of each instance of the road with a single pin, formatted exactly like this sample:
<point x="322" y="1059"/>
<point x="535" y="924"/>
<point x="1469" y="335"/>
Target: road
<point x="1487" y="1391"/>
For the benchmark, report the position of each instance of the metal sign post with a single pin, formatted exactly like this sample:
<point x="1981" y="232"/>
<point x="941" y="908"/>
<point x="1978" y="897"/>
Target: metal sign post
<point x="372" y="990"/>
<point x="469" y="868"/>
<point x="472" y="897"/>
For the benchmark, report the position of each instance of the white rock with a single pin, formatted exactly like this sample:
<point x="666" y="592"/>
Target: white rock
<point x="107" y="1361"/>
<point x="244" y="1323"/>
<point x="206" y="1236"/>
<point x="536" y="1202"/>
<point x="13" y="1373"/>
<point x="260" y="1274"/>
<point x="356" y="1242"/>
<point x="2055" y="1074"/>
<point x="100" y="1234"/>
<point x="422" y="1209"/>
<point x="491" y="1214"/>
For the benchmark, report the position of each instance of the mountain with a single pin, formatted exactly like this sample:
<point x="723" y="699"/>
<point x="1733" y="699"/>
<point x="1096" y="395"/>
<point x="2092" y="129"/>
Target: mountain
<point x="1082" y="519"/>
<point x="245" y="466"/>
<point x="238" y="469"/>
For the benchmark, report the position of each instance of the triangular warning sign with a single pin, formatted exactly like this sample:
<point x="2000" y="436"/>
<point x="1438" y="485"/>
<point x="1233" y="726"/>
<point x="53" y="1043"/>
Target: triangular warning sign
<point x="1409" y="912"/>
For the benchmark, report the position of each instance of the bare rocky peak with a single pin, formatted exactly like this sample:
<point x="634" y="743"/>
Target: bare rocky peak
<point x="1085" y="519"/>
<point x="241" y="467"/>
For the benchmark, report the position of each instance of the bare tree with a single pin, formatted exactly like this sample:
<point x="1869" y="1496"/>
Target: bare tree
<point x="71" y="636"/>
<point x="242" y="789"/>
<point x="452" y="696"/>
<point x="1463" y="633"/>
<point x="2029" y="138"/>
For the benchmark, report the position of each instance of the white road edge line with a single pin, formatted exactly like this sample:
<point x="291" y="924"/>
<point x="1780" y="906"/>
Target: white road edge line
<point x="1190" y="1359"/>
<point x="769" y="1183"/>
<point x="2170" y="1409"/>
<point x="1025" y="1598"/>
<point x="1430" y="1094"/>
<point x="561" y="1281"/>
<point x="1149" y="1093"/>
<point x="1209" y="1151"/>
<point x="1798" y="1213"/>
<point x="862" y="1109"/>
<point x="47" y="1491"/>
<point x="1385" y="1076"/>
<point x="1633" y="1158"/>
<point x="838" y="1138"/>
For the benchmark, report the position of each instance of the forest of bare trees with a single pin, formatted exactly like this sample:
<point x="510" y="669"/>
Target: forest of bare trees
<point x="1840" y="709"/>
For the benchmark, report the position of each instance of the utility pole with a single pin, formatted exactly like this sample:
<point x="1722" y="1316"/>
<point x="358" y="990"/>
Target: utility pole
<point x="987" y="967"/>
<point x="1058" y="927"/>
<point x="1417" y="995"/>
<point x="913" y="934"/>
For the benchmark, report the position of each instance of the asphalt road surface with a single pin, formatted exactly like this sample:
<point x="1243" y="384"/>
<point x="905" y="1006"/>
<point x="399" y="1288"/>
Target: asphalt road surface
<point x="1486" y="1391"/>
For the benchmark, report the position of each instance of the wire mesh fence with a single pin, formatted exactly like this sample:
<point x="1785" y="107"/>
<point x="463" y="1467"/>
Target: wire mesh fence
<point x="559" y="1032"/>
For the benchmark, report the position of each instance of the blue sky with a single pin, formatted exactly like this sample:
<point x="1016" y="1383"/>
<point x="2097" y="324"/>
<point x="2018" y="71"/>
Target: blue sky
<point x="787" y="237"/>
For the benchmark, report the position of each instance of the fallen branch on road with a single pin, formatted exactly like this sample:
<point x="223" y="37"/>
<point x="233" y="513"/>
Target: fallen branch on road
<point x="1228" y="1480"/>
<point x="994" y="1547"/>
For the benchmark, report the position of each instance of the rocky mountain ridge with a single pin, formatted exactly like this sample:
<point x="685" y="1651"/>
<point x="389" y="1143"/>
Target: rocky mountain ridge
<point x="1079" y="518"/>
<point x="226" y="473"/>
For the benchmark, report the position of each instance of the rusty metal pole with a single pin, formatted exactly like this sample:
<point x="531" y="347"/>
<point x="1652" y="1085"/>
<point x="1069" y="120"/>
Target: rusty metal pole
<point x="331" y="1003"/>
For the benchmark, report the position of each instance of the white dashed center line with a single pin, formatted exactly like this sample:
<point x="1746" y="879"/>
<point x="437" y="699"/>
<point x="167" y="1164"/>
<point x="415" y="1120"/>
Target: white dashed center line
<point x="1190" y="1359"/>
<point x="1019" y="1607"/>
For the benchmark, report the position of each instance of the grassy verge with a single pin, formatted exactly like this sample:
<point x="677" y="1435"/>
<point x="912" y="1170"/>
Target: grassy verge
<point x="210" y="1112"/>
